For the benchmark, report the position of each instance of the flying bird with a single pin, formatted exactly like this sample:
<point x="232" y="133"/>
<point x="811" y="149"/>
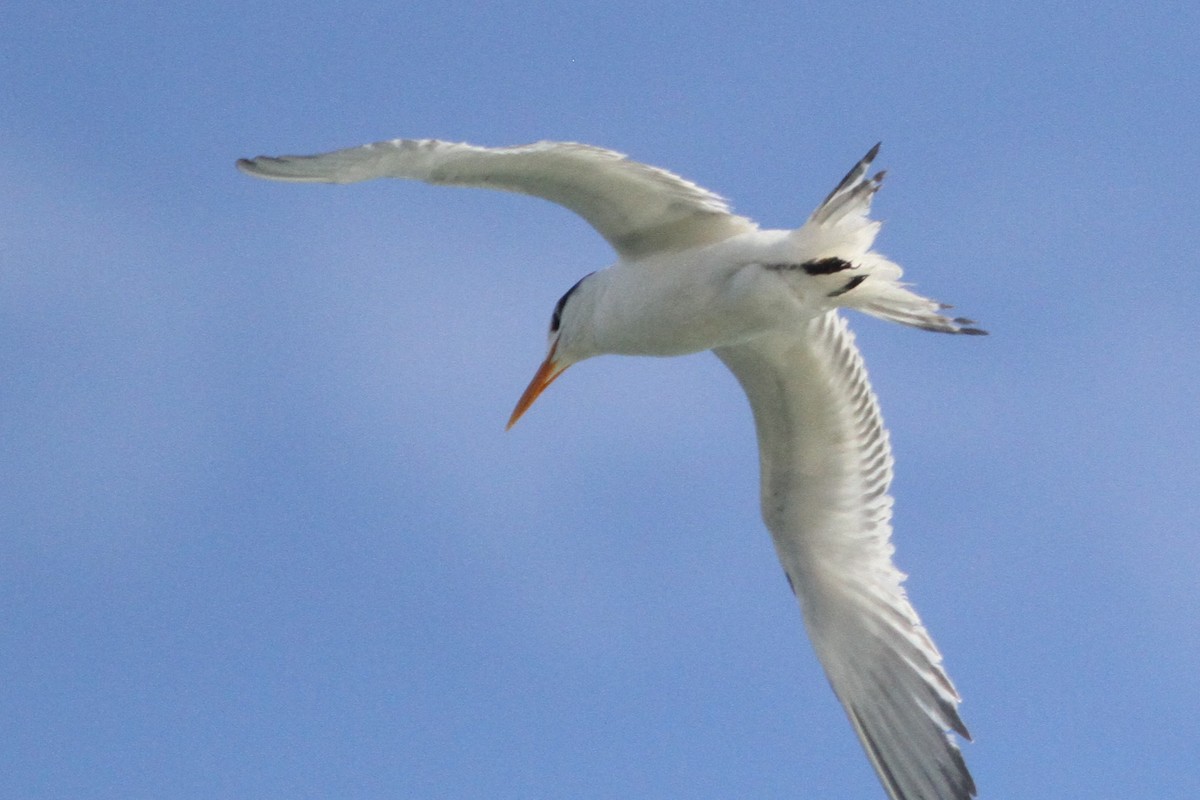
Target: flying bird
<point x="691" y="275"/>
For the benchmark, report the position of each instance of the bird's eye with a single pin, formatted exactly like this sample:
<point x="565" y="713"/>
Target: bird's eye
<point x="556" y="317"/>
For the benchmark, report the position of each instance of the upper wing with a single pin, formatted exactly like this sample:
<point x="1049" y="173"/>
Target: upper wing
<point x="639" y="209"/>
<point x="826" y="467"/>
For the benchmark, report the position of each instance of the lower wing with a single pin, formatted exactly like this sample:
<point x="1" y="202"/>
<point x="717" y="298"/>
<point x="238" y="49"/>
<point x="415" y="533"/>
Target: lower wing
<point x="826" y="468"/>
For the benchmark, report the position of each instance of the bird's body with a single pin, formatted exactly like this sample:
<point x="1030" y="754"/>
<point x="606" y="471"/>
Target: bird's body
<point x="668" y="305"/>
<point x="693" y="276"/>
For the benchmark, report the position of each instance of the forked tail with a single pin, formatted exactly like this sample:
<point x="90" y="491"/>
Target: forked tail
<point x="837" y="239"/>
<point x="882" y="295"/>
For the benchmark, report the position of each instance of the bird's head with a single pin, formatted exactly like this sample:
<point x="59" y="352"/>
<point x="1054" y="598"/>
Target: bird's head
<point x="564" y="346"/>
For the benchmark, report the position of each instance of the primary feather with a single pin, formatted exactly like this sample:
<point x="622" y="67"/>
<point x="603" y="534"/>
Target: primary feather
<point x="637" y="208"/>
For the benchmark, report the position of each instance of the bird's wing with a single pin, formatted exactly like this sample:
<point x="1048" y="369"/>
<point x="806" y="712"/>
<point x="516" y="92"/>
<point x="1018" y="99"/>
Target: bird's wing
<point x="826" y="467"/>
<point x="639" y="209"/>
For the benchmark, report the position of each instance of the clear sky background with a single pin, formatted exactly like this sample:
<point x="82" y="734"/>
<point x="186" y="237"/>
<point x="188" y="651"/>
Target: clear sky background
<point x="262" y="532"/>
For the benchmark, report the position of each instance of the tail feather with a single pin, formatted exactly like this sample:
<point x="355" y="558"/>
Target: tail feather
<point x="853" y="194"/>
<point x="882" y="295"/>
<point x="841" y="226"/>
<point x="841" y="230"/>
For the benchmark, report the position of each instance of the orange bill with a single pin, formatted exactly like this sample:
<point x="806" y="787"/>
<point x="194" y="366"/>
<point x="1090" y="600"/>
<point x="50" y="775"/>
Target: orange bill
<point x="547" y="372"/>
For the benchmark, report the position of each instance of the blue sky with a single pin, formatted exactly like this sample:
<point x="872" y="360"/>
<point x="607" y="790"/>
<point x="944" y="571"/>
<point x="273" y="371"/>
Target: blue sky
<point x="264" y="534"/>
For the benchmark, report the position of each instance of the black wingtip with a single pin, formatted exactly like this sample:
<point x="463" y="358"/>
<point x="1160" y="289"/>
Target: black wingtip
<point x="874" y="151"/>
<point x="967" y="326"/>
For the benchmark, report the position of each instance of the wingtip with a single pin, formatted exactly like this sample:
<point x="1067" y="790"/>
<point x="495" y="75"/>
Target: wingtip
<point x="276" y="168"/>
<point x="874" y="151"/>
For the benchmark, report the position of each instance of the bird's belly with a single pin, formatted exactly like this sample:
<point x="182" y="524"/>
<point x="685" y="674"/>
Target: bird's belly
<point x="676" y="317"/>
<point x="679" y="334"/>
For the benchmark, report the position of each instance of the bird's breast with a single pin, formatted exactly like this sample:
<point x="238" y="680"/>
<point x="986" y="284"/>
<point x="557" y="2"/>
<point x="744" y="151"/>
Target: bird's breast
<point x="674" y="309"/>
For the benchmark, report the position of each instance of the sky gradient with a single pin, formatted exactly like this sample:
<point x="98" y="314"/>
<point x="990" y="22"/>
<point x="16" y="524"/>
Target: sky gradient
<point x="262" y="532"/>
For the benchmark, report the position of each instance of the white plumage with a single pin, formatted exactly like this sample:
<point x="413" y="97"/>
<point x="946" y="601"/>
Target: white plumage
<point x="693" y="276"/>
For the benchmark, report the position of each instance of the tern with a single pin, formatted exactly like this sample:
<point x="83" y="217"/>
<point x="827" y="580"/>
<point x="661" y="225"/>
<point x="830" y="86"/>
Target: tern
<point x="691" y="275"/>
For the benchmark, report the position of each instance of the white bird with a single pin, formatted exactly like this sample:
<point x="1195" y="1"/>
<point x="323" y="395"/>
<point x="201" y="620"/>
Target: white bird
<point x="690" y="276"/>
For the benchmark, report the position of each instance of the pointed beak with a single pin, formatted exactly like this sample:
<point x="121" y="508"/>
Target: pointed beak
<point x="547" y="372"/>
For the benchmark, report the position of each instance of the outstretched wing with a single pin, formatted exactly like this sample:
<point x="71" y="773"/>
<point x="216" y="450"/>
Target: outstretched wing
<point x="639" y="209"/>
<point x="826" y="468"/>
